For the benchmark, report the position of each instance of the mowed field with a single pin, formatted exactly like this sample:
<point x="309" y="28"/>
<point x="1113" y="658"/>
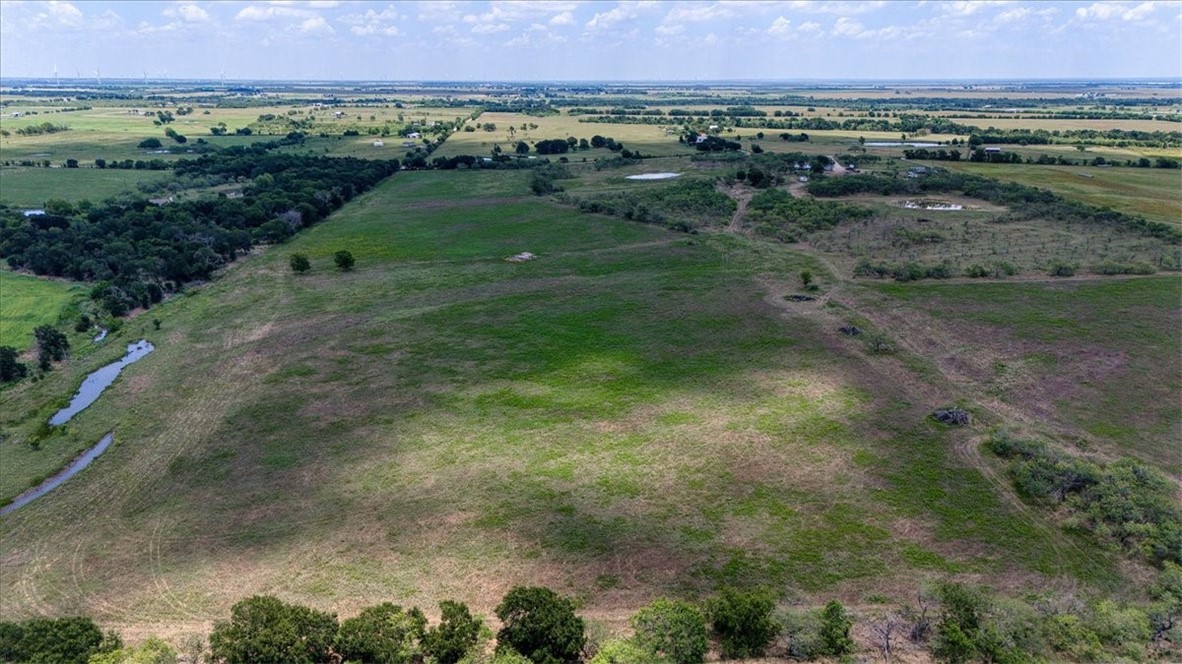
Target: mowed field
<point x="1151" y="192"/>
<point x="31" y="187"/>
<point x="634" y="413"/>
<point x="26" y="302"/>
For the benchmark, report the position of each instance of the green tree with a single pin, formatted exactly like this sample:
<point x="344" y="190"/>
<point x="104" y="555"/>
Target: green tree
<point x="300" y="263"/>
<point x="150" y="143"/>
<point x="458" y="632"/>
<point x="522" y="147"/>
<point x="742" y="621"/>
<point x="52" y="345"/>
<point x="69" y="640"/>
<point x="673" y="629"/>
<point x="10" y="368"/>
<point x="344" y="260"/>
<point x="835" y="630"/>
<point x="264" y="630"/>
<point x="382" y="634"/>
<point x="540" y="625"/>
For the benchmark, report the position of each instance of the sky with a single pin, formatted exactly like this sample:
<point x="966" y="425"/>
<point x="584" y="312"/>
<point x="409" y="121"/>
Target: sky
<point x="508" y="40"/>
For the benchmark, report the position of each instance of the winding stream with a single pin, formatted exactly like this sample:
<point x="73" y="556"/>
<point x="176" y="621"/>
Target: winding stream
<point x="64" y="474"/>
<point x="100" y="380"/>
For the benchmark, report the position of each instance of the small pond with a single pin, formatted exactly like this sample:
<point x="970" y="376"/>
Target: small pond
<point x="99" y="380"/>
<point x="653" y="176"/>
<point x="899" y="144"/>
<point x="932" y="205"/>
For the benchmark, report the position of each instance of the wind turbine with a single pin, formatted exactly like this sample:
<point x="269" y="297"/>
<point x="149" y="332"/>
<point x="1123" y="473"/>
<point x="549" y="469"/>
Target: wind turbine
<point x="55" y="74"/>
<point x="98" y="75"/>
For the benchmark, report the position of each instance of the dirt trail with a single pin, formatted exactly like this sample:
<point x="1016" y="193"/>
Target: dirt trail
<point x="742" y="197"/>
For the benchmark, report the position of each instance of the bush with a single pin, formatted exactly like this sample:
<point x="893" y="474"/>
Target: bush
<point x="264" y="630"/>
<point x="540" y="625"/>
<point x="742" y="621"/>
<point x="53" y="641"/>
<point x="672" y="629"/>
<point x="344" y="260"/>
<point x="803" y="631"/>
<point x="300" y="263"/>
<point x="10" y="368"/>
<point x="835" y="630"/>
<point x="382" y="634"/>
<point x="1062" y="269"/>
<point x="150" y="144"/>
<point x="625" y="651"/>
<point x="151" y="651"/>
<point x="458" y="633"/>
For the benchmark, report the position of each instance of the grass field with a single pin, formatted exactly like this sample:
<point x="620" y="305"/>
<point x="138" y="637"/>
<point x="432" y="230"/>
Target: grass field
<point x="634" y="413"/>
<point x="31" y="187"/>
<point x="1150" y="192"/>
<point x="1038" y="347"/>
<point x="26" y="302"/>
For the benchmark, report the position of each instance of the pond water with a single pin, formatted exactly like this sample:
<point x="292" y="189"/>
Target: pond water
<point x="931" y="205"/>
<point x="57" y="480"/>
<point x="653" y="176"/>
<point x="99" y="380"/>
<point x="899" y="144"/>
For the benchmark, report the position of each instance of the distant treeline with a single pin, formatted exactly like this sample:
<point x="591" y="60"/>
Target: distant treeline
<point x="1024" y="202"/>
<point x="137" y="251"/>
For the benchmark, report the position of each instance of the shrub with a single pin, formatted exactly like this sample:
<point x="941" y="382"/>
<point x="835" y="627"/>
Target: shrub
<point x="383" y="634"/>
<point x="458" y="633"/>
<point x="264" y="630"/>
<point x="344" y="260"/>
<point x="1069" y="635"/>
<point x="540" y="625"/>
<point x="151" y="651"/>
<point x="1062" y="269"/>
<point x="803" y="632"/>
<point x="835" y="630"/>
<point x="150" y="143"/>
<point x="300" y="263"/>
<point x="742" y="620"/>
<point x="673" y="629"/>
<point x="625" y="651"/>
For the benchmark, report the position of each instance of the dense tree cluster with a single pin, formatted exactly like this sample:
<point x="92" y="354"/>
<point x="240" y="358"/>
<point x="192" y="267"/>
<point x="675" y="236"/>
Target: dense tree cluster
<point x="1124" y="502"/>
<point x="776" y="213"/>
<point x="682" y="206"/>
<point x="1024" y="202"/>
<point x="137" y="251"/>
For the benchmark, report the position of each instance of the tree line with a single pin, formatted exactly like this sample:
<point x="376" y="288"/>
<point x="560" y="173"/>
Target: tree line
<point x="136" y="252"/>
<point x="954" y="622"/>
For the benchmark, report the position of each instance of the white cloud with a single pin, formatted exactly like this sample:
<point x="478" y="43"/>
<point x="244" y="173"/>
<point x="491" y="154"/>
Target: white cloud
<point x="316" y="26"/>
<point x="1105" y="11"/>
<point x="696" y="13"/>
<point x="270" y="11"/>
<point x="565" y="18"/>
<point x="189" y="13"/>
<point x="61" y="13"/>
<point x="970" y="7"/>
<point x="848" y="27"/>
<point x="809" y="26"/>
<point x="669" y="30"/>
<point x="489" y="28"/>
<point x="623" y="12"/>
<point x="373" y="22"/>
<point x="780" y="27"/>
<point x="836" y="7"/>
<point x="1015" y="14"/>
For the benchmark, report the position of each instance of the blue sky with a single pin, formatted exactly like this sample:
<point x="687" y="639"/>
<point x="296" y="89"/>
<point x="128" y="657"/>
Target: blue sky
<point x="568" y="40"/>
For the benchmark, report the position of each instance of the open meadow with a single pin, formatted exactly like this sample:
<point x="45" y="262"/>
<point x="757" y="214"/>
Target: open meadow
<point x="719" y="377"/>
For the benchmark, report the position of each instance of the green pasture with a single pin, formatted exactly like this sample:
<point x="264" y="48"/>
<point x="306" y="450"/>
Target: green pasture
<point x="27" y="302"/>
<point x="31" y="187"/>
<point x="1151" y="192"/>
<point x="440" y="422"/>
